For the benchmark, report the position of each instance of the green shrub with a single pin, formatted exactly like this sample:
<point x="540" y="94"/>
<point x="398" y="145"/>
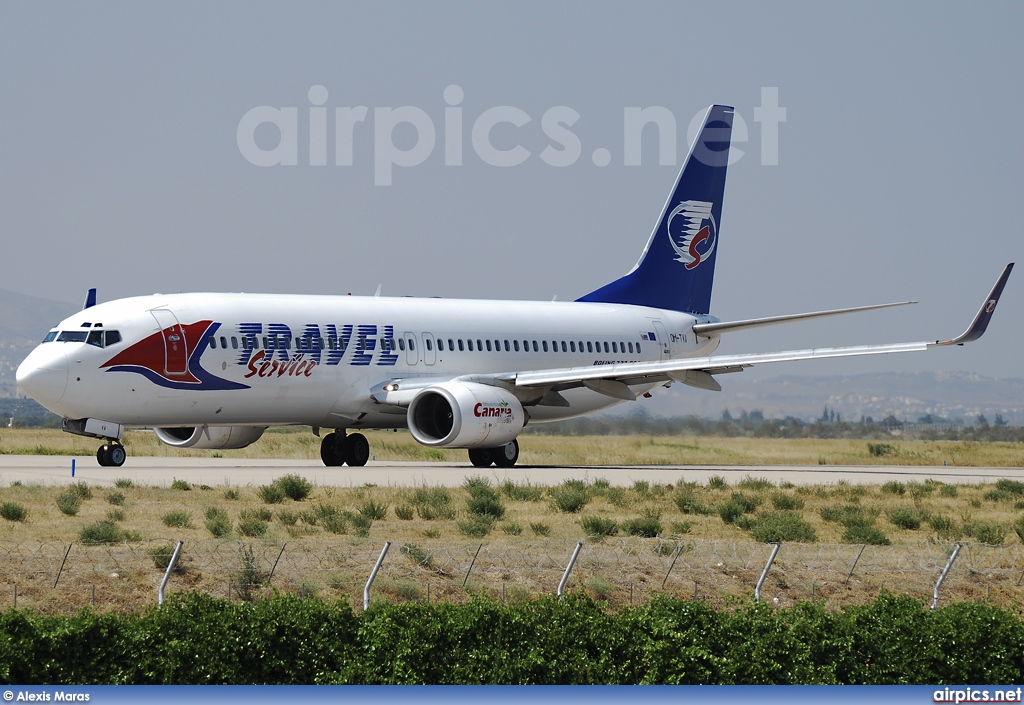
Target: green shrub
<point x="569" y="499"/>
<point x="231" y="494"/>
<point x="178" y="518"/>
<point x="948" y="491"/>
<point x="598" y="526"/>
<point x="294" y="487"/>
<point x="404" y="512"/>
<point x="180" y="485"/>
<point x="115" y="498"/>
<point x="217" y="522"/>
<point x="944" y="527"/>
<point x="1011" y="487"/>
<point x="476" y="525"/>
<point x="642" y="487"/>
<point x="12" y="511"/>
<point x="730" y="511"/>
<point x="848" y="515"/>
<point x="361" y="524"/>
<point x="540" y="528"/>
<point x="101" y="532"/>
<point x="782" y="526"/>
<point x="162" y="556"/>
<point x="681" y="528"/>
<point x="477" y="485"/>
<point x="648" y="525"/>
<point x="893" y="487"/>
<point x="258" y="513"/>
<point x="786" y="502"/>
<point x="905" y="518"/>
<point x="81" y="489"/>
<point x="270" y="494"/>
<point x="748" y="503"/>
<point x="486" y="505"/>
<point x="69" y="503"/>
<point x="288" y="518"/>
<point x="433" y="503"/>
<point x="374" y="511"/>
<point x="1018" y="528"/>
<point x="991" y="534"/>
<point x="880" y="449"/>
<point x="687" y="502"/>
<point x="115" y="515"/>
<point x="511" y="528"/>
<point x="522" y="493"/>
<point x="717" y="482"/>
<point x="754" y="483"/>
<point x="252" y="527"/>
<point x="618" y="496"/>
<point x="859" y="533"/>
<point x="122" y="483"/>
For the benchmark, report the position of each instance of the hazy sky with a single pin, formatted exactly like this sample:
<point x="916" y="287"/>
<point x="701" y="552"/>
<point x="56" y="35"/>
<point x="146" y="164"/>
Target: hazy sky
<point x="899" y="171"/>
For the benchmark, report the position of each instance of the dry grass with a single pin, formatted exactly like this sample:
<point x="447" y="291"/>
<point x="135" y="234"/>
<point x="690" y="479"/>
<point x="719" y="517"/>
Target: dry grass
<point x="563" y="450"/>
<point x="720" y="558"/>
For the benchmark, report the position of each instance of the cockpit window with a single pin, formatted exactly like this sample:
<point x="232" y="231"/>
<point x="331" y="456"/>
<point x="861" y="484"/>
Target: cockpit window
<point x="99" y="338"/>
<point x="72" y="336"/>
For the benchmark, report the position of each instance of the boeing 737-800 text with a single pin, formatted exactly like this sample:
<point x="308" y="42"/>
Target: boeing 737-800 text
<point x="210" y="370"/>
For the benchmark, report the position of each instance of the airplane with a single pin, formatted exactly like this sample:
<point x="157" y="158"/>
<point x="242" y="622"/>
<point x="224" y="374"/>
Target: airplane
<point x="215" y="370"/>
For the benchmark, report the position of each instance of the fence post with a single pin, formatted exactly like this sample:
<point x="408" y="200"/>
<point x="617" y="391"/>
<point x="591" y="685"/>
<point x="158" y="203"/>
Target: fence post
<point x="568" y="568"/>
<point x="767" y="566"/>
<point x="471" y="564"/>
<point x="854" y="566"/>
<point x="62" y="566"/>
<point x="679" y="549"/>
<point x="271" y="577"/>
<point x="945" y="572"/>
<point x="167" y="575"/>
<point x="366" y="589"/>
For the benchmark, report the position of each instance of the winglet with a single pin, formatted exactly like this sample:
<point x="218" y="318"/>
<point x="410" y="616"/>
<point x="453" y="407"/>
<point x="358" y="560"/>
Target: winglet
<point x="980" y="322"/>
<point x="90" y="299"/>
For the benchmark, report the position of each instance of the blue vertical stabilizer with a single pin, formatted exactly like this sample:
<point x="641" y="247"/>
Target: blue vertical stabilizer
<point x="677" y="268"/>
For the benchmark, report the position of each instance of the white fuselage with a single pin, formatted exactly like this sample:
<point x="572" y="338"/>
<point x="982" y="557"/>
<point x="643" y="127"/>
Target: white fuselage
<point x="268" y="359"/>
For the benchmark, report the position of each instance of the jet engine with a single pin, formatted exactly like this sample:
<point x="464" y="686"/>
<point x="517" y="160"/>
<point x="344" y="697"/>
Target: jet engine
<point x="210" y="437"/>
<point x="465" y="415"/>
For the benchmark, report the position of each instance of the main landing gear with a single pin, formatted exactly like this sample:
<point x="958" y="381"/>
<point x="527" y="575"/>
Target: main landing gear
<point x="503" y="456"/>
<point x="111" y="455"/>
<point x="338" y="449"/>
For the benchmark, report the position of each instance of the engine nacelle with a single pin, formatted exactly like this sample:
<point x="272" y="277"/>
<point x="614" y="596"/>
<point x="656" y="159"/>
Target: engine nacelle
<point x="465" y="415"/>
<point x="210" y="437"/>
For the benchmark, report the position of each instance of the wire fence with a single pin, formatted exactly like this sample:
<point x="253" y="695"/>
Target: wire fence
<point x="52" y="577"/>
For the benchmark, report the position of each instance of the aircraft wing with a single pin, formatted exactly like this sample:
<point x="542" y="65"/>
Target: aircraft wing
<point x="614" y="380"/>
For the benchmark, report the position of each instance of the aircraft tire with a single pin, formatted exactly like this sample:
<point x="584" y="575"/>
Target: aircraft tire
<point x="506" y="456"/>
<point x="116" y="455"/>
<point x="332" y="450"/>
<point x="102" y="455"/>
<point x="357" y="450"/>
<point x="481" y="457"/>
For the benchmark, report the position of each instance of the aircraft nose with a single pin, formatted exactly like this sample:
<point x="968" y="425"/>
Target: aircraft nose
<point x="43" y="375"/>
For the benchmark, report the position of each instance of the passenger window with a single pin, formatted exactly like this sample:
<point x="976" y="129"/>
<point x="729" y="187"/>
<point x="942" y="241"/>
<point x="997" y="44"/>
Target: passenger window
<point x="516" y="344"/>
<point x="288" y="343"/>
<point x="615" y="348"/>
<point x="563" y="347"/>
<point x="213" y="342"/>
<point x="113" y="337"/>
<point x="606" y="346"/>
<point x="572" y="346"/>
<point x="526" y="346"/>
<point x="506" y="346"/>
<point x="469" y="344"/>
<point x="440" y="344"/>
<point x="479" y="345"/>
<point x="224" y="342"/>
<point x="590" y="347"/>
<point x="430" y="346"/>
<point x="488" y="346"/>
<point x="461" y="347"/>
<point x="266" y="343"/>
<point x="412" y="344"/>
<point x="631" y="347"/>
<point x="401" y="344"/>
<point x="451" y="344"/>
<point x="545" y="344"/>
<point x="638" y="348"/>
<point x="234" y="343"/>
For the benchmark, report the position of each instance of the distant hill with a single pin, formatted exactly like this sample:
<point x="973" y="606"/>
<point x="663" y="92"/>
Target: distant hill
<point x="907" y="396"/>
<point x="24" y="321"/>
